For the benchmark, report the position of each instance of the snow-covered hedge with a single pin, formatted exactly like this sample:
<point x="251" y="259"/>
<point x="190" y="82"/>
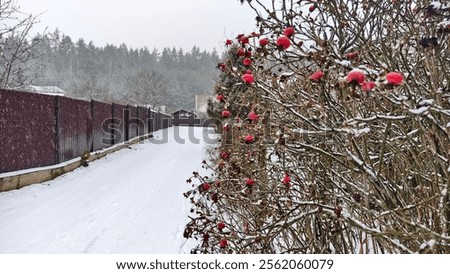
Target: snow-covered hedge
<point x="336" y="122"/>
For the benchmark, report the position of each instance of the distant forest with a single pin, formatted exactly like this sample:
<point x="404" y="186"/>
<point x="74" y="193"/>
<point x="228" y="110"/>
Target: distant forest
<point x="119" y="73"/>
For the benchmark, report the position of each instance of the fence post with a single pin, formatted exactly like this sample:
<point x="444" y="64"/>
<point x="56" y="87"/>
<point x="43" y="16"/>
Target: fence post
<point x="126" y="122"/>
<point x="111" y="129"/>
<point x="91" y="129"/>
<point x="137" y="120"/>
<point x="57" y="128"/>
<point x="148" y="120"/>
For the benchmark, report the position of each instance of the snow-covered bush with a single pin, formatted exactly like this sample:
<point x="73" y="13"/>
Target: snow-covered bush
<point x="336" y="123"/>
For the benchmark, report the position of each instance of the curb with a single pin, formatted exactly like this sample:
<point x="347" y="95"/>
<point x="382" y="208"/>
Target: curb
<point x="36" y="177"/>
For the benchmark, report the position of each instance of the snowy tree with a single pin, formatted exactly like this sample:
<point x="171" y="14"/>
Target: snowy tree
<point x="16" y="54"/>
<point x="147" y="87"/>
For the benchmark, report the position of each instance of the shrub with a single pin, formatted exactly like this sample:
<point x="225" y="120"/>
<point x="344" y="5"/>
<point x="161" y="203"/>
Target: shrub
<point x="337" y="166"/>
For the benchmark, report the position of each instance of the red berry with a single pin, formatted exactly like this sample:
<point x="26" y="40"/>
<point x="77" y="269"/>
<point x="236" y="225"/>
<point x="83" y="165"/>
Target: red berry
<point x="287" y="180"/>
<point x="226" y="127"/>
<point x="394" y="78"/>
<point x="224" y="155"/>
<point x="248" y="78"/>
<point x="226" y="113"/>
<point x="283" y="42"/>
<point x="316" y="76"/>
<point x="220" y="225"/>
<point x="288" y="32"/>
<point x="263" y="42"/>
<point x="247" y="62"/>
<point x="220" y="97"/>
<point x="253" y="116"/>
<point x="240" y="52"/>
<point x="250" y="182"/>
<point x="228" y="42"/>
<point x="249" y="139"/>
<point x="222" y="66"/>
<point x="243" y="39"/>
<point x="223" y="243"/>
<point x="206" y="186"/>
<point x="205" y="237"/>
<point x="312" y="7"/>
<point x="351" y="55"/>
<point x="368" y="86"/>
<point x="356" y="76"/>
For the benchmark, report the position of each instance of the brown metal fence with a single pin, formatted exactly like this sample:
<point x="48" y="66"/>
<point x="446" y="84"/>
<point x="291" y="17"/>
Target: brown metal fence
<point x="27" y="130"/>
<point x="41" y="130"/>
<point x="100" y="132"/>
<point x="74" y="133"/>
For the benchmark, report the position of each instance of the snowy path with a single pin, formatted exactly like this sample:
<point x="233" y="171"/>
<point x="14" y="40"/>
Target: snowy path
<point x="128" y="202"/>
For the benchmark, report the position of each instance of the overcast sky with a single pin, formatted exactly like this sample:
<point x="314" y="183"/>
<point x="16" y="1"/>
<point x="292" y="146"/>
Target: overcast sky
<point x="139" y="23"/>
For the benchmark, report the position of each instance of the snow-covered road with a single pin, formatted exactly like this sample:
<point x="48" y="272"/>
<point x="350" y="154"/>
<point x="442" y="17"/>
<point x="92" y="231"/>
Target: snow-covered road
<point x="128" y="202"/>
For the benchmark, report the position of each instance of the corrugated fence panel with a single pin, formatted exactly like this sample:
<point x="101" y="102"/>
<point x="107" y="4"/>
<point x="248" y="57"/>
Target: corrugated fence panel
<point x="157" y="121"/>
<point x="27" y="130"/>
<point x="165" y="120"/>
<point x="119" y="124"/>
<point x="133" y="122"/>
<point x="101" y="120"/>
<point x="151" y="121"/>
<point x="143" y="125"/>
<point x="75" y="128"/>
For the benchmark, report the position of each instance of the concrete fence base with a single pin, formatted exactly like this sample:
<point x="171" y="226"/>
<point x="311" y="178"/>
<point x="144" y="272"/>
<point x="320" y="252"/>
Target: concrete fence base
<point x="35" y="177"/>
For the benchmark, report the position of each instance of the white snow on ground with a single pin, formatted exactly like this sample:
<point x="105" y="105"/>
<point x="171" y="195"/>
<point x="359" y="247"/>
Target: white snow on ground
<point x="128" y="202"/>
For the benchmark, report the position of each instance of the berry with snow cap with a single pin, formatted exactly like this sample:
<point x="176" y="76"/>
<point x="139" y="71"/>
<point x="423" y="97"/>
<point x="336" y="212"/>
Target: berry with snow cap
<point x="355" y="76"/>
